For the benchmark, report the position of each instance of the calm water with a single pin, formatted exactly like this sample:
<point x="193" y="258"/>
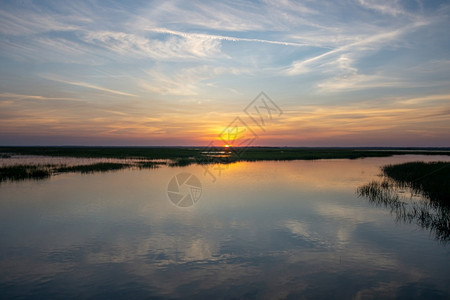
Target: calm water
<point x="263" y="230"/>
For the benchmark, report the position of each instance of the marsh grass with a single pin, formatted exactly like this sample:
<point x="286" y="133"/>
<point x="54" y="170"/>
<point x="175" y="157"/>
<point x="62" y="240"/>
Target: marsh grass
<point x="22" y="172"/>
<point x="428" y="180"/>
<point x="245" y="154"/>
<point x="181" y="162"/>
<point x="379" y="192"/>
<point x="105" y="152"/>
<point x="98" y="167"/>
<point x="149" y="164"/>
<point x="431" y="179"/>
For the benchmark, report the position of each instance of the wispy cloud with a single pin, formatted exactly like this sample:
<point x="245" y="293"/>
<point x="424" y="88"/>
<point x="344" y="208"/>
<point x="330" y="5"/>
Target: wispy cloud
<point x="427" y="100"/>
<point x="172" y="48"/>
<point x="372" y="42"/>
<point x="29" y="22"/>
<point x="385" y="7"/>
<point x="213" y="15"/>
<point x="14" y="96"/>
<point x="221" y="37"/>
<point x="86" y="85"/>
<point x="134" y="59"/>
<point x="186" y="81"/>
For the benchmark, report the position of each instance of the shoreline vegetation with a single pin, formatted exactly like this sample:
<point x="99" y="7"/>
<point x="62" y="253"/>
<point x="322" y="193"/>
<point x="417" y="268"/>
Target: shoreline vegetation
<point x="23" y="172"/>
<point x="147" y="157"/>
<point x="198" y="153"/>
<point x="428" y="203"/>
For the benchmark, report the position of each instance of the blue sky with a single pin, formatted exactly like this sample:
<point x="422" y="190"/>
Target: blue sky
<point x="344" y="73"/>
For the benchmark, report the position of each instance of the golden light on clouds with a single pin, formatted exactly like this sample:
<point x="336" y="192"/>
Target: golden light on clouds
<point x="179" y="74"/>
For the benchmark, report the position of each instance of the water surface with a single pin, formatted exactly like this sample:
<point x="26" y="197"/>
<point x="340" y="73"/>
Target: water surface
<point x="293" y="229"/>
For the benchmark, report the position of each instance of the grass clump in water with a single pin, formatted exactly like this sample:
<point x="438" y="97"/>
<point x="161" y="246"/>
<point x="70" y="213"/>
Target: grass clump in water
<point x="98" y="167"/>
<point x="181" y="162"/>
<point x="379" y="192"/>
<point x="149" y="164"/>
<point x="430" y="180"/>
<point x="22" y="172"/>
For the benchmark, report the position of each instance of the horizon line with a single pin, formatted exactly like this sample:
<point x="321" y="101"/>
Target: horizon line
<point x="201" y="146"/>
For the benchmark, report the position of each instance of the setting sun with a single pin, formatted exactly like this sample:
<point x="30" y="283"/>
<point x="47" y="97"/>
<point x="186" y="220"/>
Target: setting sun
<point x="147" y="145"/>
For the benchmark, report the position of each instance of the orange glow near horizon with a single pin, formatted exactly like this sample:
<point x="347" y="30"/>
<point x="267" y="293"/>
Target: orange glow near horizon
<point x="389" y="124"/>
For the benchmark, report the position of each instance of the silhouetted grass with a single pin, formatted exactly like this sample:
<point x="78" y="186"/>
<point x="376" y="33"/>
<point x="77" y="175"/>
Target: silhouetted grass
<point x="184" y="156"/>
<point x="98" y="167"/>
<point x="379" y="192"/>
<point x="431" y="180"/>
<point x="22" y="172"/>
<point x="149" y="164"/>
<point x="106" y="152"/>
<point x="181" y="162"/>
<point x="243" y="154"/>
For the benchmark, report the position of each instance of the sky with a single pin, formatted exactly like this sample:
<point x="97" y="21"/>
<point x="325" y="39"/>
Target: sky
<point x="167" y="73"/>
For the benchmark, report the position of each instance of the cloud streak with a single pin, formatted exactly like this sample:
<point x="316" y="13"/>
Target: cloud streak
<point x="222" y="38"/>
<point x="87" y="85"/>
<point x="364" y="44"/>
<point x="355" y="68"/>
